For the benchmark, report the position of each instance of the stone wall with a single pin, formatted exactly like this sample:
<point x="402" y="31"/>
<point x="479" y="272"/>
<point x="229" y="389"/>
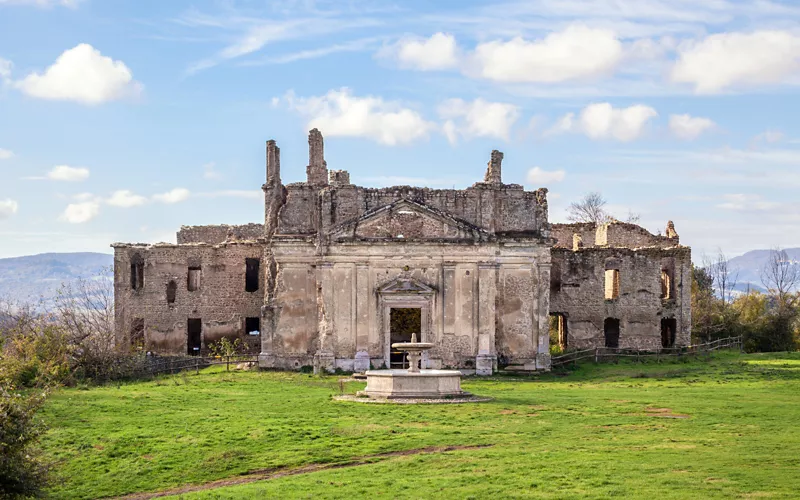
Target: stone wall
<point x="221" y="301"/>
<point x="483" y="300"/>
<point x="579" y="294"/>
<point x="219" y="233"/>
<point x="612" y="234"/>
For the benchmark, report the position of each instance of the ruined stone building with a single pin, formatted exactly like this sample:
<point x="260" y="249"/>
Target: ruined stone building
<point x="338" y="272"/>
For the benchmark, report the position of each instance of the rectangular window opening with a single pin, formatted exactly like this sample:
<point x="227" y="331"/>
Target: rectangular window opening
<point x="193" y="279"/>
<point x="612" y="284"/>
<point x="137" y="275"/>
<point x="252" y="326"/>
<point x="137" y="333"/>
<point x="666" y="284"/>
<point x="555" y="277"/>
<point x="251" y="275"/>
<point x="558" y="330"/>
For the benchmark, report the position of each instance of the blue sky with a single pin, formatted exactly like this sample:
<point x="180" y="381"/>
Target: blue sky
<point x="121" y="121"/>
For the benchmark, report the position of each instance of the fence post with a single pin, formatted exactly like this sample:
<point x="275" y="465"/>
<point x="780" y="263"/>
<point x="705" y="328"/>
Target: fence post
<point x="595" y="354"/>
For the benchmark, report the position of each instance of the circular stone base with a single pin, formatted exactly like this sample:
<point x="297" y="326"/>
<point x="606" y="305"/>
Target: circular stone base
<point x="424" y="384"/>
<point x="465" y="398"/>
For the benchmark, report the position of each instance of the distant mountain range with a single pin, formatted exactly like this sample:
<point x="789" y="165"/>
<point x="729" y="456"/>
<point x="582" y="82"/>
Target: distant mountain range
<point x="36" y="278"/>
<point x="747" y="268"/>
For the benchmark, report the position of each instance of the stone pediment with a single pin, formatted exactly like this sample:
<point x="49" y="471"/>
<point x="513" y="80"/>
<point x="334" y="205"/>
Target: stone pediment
<point x="407" y="220"/>
<point x="405" y="286"/>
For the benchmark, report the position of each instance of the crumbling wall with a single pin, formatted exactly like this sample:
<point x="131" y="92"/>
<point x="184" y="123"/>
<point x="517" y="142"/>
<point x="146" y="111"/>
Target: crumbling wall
<point x="613" y="234"/>
<point x="580" y="294"/>
<point x="221" y="301"/>
<point x="219" y="233"/>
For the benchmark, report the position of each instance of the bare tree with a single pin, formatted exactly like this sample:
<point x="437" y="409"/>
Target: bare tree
<point x="633" y="217"/>
<point x="591" y="208"/>
<point x="724" y="278"/>
<point x="85" y="310"/>
<point x="781" y="277"/>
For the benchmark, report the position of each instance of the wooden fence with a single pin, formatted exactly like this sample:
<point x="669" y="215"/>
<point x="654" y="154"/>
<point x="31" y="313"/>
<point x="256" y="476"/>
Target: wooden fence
<point x="174" y="364"/>
<point x="599" y="354"/>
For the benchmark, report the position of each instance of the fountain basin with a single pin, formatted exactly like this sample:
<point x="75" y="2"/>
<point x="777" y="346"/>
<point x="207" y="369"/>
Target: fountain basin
<point x="430" y="384"/>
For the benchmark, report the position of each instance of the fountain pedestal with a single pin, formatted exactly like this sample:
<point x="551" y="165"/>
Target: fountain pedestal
<point x="413" y="383"/>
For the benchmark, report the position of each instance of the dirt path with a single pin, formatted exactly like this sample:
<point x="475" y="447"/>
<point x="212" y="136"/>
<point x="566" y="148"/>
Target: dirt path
<point x="275" y="473"/>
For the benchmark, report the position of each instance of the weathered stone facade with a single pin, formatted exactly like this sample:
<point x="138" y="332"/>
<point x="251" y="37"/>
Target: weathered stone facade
<point x="335" y="264"/>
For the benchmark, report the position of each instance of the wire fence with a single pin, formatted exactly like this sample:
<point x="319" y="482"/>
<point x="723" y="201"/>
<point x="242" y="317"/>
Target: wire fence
<point x="599" y="354"/>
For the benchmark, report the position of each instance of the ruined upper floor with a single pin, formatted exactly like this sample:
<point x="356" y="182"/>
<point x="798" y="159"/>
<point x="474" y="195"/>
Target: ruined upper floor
<point x="613" y="234"/>
<point x="327" y="204"/>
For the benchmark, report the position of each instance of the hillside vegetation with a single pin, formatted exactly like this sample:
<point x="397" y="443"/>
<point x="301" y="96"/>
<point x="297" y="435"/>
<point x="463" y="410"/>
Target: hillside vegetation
<point x="717" y="428"/>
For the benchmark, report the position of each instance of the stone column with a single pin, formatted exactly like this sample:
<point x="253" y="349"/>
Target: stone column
<point x="487" y="293"/>
<point x="543" y="290"/>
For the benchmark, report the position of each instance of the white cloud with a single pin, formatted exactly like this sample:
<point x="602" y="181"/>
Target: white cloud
<point x="8" y="208"/>
<point x="537" y="176"/>
<point x="177" y="195"/>
<point x="84" y="75"/>
<point x="689" y="127"/>
<point x="440" y="51"/>
<point x="67" y="173"/>
<point x="725" y="60"/>
<point x="209" y="172"/>
<point x="5" y="69"/>
<point x="478" y="118"/>
<point x="234" y="193"/>
<point x="746" y="202"/>
<point x="603" y="121"/>
<point x="84" y="197"/>
<point x="339" y="113"/>
<point x="78" y="213"/>
<point x="769" y="136"/>
<point x="6" y="154"/>
<point x="125" y="199"/>
<point x="577" y="52"/>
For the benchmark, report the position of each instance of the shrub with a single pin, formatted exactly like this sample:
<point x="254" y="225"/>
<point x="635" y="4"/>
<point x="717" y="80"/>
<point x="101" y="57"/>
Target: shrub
<point x="22" y="473"/>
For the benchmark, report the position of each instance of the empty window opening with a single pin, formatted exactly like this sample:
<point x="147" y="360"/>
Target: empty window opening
<point x="555" y="277"/>
<point x="611" y="332"/>
<point x="668" y="327"/>
<point x="137" y="272"/>
<point x="251" y="275"/>
<point x="252" y="326"/>
<point x="172" y="290"/>
<point x="194" y="329"/>
<point x="666" y="284"/>
<point x="558" y="330"/>
<point x="402" y="323"/>
<point x="137" y="333"/>
<point x="612" y="284"/>
<point x="193" y="280"/>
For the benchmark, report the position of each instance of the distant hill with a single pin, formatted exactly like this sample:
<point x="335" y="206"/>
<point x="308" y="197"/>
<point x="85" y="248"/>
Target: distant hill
<point x="749" y="267"/>
<point x="31" y="278"/>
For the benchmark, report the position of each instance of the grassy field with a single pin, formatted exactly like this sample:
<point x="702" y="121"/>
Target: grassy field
<point x="724" y="428"/>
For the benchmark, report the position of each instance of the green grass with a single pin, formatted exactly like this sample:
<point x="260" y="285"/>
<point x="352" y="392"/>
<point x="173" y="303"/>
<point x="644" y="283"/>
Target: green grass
<point x="588" y="433"/>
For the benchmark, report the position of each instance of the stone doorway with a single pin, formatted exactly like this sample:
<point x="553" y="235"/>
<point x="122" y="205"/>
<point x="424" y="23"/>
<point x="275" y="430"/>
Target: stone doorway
<point x="194" y="328"/>
<point x="611" y="331"/>
<point x="403" y="322"/>
<point x="668" y="326"/>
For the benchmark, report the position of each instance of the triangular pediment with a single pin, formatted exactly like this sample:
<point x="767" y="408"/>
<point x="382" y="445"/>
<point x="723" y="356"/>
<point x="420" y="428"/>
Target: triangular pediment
<point x="405" y="285"/>
<point x="407" y="220"/>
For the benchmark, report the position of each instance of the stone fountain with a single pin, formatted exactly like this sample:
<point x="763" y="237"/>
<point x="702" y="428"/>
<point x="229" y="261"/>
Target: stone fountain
<point x="413" y="382"/>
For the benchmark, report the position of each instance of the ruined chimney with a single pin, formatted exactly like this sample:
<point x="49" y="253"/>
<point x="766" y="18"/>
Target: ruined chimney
<point x="273" y="163"/>
<point x="670" y="232"/>
<point x="317" y="169"/>
<point x="493" y="170"/>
